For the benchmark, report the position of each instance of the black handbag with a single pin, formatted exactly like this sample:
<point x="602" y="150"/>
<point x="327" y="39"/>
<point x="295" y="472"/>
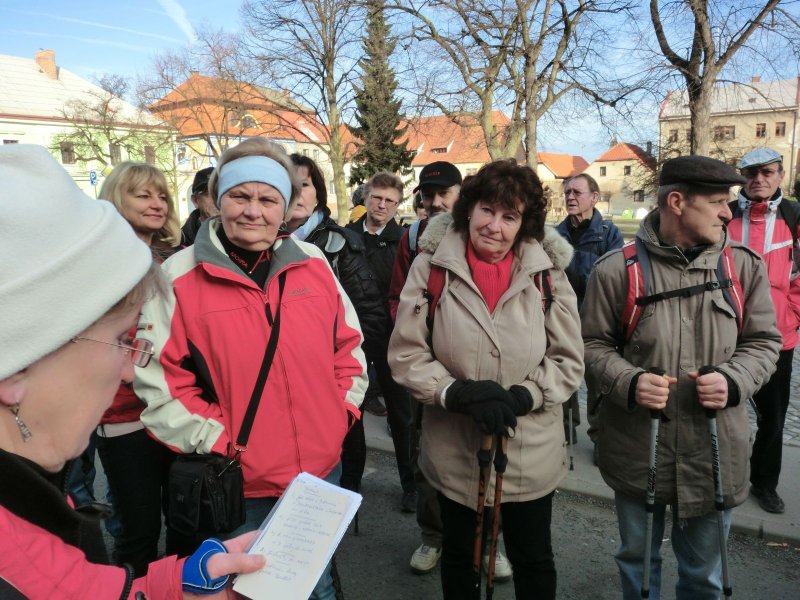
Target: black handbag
<point x="206" y="491"/>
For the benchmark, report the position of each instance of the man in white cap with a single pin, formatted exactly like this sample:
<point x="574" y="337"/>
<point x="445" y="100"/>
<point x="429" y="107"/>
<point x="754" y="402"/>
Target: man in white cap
<point x="767" y="223"/>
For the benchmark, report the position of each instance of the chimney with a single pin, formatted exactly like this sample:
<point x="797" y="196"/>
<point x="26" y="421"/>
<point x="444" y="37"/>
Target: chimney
<point x="46" y="59"/>
<point x="755" y="79"/>
<point x="649" y="148"/>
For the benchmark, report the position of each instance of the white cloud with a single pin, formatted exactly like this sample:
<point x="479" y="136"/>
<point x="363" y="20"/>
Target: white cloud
<point x="178" y="16"/>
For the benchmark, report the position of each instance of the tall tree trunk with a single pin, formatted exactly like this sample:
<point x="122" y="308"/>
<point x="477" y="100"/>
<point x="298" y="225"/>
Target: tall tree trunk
<point x="531" y="125"/>
<point x="700" y="113"/>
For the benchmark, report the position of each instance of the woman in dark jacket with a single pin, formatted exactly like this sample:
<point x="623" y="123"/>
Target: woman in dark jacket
<point x="310" y="221"/>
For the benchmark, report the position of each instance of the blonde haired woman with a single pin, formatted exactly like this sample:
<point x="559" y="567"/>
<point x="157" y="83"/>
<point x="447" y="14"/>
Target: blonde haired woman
<point x="141" y="195"/>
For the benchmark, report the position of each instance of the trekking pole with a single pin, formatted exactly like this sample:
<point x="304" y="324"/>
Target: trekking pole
<point x="484" y="464"/>
<point x="500" y="462"/>
<point x="719" y="503"/>
<point x="655" y="420"/>
<point x="571" y="438"/>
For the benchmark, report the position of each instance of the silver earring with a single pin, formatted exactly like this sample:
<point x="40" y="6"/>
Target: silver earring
<point x="23" y="429"/>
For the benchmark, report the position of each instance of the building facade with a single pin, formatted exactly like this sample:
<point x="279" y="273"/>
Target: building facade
<point x="86" y="127"/>
<point x="744" y="116"/>
<point x="626" y="176"/>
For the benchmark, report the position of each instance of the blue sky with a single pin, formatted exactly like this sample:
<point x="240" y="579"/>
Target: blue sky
<point x="90" y="38"/>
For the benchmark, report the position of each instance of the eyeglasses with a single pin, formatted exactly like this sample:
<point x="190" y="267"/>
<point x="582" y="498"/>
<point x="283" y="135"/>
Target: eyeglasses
<point x="140" y="351"/>
<point x="379" y="199"/>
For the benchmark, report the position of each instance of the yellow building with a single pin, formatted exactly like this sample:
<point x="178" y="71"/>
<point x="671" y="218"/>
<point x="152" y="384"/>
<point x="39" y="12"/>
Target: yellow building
<point x="626" y="175"/>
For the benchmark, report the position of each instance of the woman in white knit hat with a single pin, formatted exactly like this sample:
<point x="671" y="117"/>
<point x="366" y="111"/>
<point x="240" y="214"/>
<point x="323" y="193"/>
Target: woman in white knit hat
<point x="134" y="463"/>
<point x="244" y="278"/>
<point x="66" y="309"/>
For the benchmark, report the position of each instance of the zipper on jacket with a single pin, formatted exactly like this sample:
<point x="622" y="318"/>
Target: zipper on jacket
<point x="291" y="414"/>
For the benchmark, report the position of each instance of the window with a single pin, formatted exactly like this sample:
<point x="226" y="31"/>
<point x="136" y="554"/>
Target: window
<point x="438" y="150"/>
<point x="673" y="136"/>
<point x="688" y="136"/>
<point x="181" y="153"/>
<point x="626" y="170"/>
<point x="248" y="122"/>
<point x="471" y="172"/>
<point x="316" y="154"/>
<point x="638" y="195"/>
<point x="10" y="142"/>
<point x="761" y="130"/>
<point x="305" y="151"/>
<point x="67" y="153"/>
<point x="780" y="128"/>
<point x="115" y="152"/>
<point x="149" y="155"/>
<point x="724" y="132"/>
<point x="602" y="171"/>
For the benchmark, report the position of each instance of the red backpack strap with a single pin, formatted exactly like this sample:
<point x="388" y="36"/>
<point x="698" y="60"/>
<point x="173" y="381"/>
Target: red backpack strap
<point x="636" y="289"/>
<point x="434" y="291"/>
<point x="726" y="270"/>
<point x="544" y="283"/>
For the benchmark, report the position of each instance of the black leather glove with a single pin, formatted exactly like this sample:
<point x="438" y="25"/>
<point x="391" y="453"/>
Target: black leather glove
<point x="520" y="400"/>
<point x="492" y="416"/>
<point x="462" y="393"/>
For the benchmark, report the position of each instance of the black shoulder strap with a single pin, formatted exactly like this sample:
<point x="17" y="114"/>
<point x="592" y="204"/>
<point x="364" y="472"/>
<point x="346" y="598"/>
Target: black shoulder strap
<point x="790" y="213"/>
<point x="269" y="354"/>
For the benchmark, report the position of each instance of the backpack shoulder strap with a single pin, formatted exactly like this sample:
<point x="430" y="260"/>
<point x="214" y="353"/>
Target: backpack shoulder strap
<point x="790" y="213"/>
<point x="726" y="271"/>
<point x="433" y="292"/>
<point x="637" y="265"/>
<point x="544" y="284"/>
<point x="413" y="233"/>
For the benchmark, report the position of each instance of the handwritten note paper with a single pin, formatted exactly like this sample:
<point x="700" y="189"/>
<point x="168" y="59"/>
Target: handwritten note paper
<point x="298" y="538"/>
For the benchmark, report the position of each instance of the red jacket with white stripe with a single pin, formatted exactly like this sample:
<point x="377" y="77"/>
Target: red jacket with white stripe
<point x="760" y="227"/>
<point x="210" y="335"/>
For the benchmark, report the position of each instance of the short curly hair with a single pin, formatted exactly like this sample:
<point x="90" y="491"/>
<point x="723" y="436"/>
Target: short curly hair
<point x="505" y="183"/>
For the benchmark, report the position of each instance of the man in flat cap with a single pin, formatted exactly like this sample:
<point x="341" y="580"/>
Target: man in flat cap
<point x="767" y="223"/>
<point x="665" y="337"/>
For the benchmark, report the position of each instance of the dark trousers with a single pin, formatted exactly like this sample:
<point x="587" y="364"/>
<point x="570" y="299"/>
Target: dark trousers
<point x="772" y="402"/>
<point x="527" y="542"/>
<point x="401" y="421"/>
<point x="136" y="467"/>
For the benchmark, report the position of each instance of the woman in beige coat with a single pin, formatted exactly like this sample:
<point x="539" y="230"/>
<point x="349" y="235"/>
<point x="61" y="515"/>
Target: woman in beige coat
<point x="497" y="360"/>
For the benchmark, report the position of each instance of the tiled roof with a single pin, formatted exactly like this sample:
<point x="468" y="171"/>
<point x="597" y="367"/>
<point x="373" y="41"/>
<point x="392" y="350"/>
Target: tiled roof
<point x="440" y="138"/>
<point x="196" y="108"/>
<point x="26" y="92"/>
<point x="625" y="151"/>
<point x="562" y="165"/>
<point x="739" y="97"/>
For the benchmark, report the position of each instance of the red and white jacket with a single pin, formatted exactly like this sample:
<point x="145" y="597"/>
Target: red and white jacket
<point x="210" y="334"/>
<point x="760" y="227"/>
<point x="40" y="565"/>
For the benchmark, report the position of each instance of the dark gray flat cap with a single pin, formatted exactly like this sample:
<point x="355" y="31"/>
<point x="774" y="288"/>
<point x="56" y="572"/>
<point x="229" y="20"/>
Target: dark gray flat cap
<point x="700" y="171"/>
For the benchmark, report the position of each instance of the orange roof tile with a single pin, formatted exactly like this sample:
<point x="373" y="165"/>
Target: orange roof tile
<point x="196" y="107"/>
<point x="625" y="151"/>
<point x="562" y="165"/>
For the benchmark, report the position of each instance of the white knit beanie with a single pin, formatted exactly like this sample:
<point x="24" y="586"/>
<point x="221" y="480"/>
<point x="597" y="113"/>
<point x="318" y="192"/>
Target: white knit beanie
<point x="65" y="258"/>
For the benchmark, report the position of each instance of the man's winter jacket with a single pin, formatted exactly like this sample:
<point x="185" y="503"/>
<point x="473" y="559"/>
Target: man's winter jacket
<point x="597" y="239"/>
<point x="679" y="335"/>
<point x="762" y="227"/>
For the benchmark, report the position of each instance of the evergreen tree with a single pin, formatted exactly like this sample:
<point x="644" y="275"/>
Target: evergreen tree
<point x="377" y="111"/>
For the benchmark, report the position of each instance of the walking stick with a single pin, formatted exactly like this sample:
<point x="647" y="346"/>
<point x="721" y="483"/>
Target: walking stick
<point x="719" y="503"/>
<point x="500" y="462"/>
<point x="655" y="420"/>
<point x="571" y="438"/>
<point x="484" y="464"/>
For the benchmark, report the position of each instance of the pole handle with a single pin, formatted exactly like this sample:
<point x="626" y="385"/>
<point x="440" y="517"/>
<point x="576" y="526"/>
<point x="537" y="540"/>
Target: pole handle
<point x="711" y="413"/>
<point x="656" y="414"/>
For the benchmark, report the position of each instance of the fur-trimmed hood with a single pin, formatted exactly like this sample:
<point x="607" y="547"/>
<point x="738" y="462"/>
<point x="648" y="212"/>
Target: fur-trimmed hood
<point x="558" y="250"/>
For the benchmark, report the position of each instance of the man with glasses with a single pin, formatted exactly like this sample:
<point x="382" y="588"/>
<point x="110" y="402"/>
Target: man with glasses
<point x="591" y="237"/>
<point x="382" y="233"/>
<point x="767" y="223"/>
